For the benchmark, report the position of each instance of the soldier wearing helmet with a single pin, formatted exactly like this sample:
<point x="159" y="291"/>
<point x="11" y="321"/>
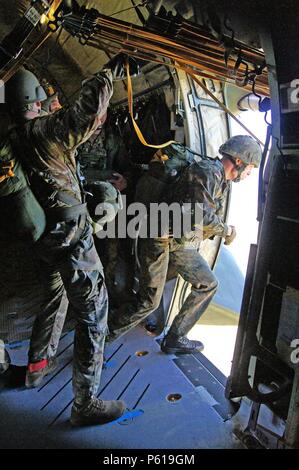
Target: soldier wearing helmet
<point x="66" y="254"/>
<point x="205" y="181"/>
<point x="25" y="95"/>
<point x="243" y="152"/>
<point x="52" y="103"/>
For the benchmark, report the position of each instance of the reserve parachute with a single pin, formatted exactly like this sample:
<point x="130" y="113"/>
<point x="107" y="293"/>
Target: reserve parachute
<point x="164" y="170"/>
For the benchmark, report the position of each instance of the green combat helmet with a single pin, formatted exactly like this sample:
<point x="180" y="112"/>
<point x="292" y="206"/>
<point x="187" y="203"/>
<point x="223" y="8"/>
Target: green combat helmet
<point x="243" y="147"/>
<point x="23" y="89"/>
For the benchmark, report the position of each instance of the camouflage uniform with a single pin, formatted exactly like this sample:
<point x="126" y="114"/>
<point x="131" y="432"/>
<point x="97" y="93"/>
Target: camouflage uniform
<point x="99" y="157"/>
<point x="102" y="155"/>
<point x="93" y="159"/>
<point x="66" y="254"/>
<point x="202" y="182"/>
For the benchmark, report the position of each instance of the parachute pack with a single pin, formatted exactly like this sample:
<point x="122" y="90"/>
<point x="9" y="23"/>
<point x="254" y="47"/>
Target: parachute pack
<point x="22" y="217"/>
<point x="164" y="170"/>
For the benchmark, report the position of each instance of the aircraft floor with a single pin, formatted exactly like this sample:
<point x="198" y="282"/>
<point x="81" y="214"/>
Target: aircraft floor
<point x="199" y="420"/>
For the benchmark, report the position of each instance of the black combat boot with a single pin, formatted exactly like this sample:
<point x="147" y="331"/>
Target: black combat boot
<point x="172" y="344"/>
<point x="37" y="371"/>
<point x="96" y="411"/>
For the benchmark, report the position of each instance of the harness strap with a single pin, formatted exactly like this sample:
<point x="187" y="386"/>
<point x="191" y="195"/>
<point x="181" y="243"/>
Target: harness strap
<point x="66" y="213"/>
<point x="67" y="198"/>
<point x="6" y="170"/>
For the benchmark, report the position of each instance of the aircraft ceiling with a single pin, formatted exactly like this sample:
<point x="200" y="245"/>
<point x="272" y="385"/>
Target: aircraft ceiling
<point x="65" y="61"/>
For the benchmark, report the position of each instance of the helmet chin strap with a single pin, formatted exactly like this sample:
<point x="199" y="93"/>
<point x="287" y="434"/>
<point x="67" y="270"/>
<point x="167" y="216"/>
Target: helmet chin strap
<point x="240" y="170"/>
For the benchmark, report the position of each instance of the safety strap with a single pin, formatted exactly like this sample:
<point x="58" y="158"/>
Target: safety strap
<point x="136" y="127"/>
<point x="194" y="76"/>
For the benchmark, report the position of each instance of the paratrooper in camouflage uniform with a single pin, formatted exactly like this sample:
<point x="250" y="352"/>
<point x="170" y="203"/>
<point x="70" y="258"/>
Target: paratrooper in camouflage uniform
<point x="92" y="156"/>
<point x="66" y="251"/>
<point x="206" y="182"/>
<point x="97" y="158"/>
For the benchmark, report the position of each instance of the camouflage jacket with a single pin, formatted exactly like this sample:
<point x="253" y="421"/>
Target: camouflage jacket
<point x="92" y="157"/>
<point x="204" y="182"/>
<point x="50" y="142"/>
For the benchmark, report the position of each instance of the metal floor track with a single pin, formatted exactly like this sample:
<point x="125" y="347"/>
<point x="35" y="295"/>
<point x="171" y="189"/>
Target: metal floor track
<point x="39" y="418"/>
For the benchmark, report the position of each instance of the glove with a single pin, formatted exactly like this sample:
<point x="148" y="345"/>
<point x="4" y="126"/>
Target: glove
<point x="117" y="65"/>
<point x="231" y="235"/>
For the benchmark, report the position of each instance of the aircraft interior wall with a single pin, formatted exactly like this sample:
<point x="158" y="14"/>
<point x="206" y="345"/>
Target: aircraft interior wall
<point x="242" y="43"/>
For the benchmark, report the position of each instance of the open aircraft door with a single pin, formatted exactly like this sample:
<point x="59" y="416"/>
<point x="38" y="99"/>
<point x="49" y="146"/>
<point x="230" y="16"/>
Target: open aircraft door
<point x="265" y="363"/>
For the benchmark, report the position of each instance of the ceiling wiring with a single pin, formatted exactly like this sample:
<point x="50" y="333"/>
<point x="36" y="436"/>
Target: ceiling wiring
<point x="188" y="43"/>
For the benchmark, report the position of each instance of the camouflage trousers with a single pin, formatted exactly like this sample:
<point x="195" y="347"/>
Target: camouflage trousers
<point x="155" y="257"/>
<point x="79" y="271"/>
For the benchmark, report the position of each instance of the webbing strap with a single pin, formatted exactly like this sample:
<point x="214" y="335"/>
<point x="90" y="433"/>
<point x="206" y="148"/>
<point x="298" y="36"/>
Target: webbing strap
<point x="136" y="127"/>
<point x="67" y="198"/>
<point x="195" y="77"/>
<point x="58" y="214"/>
<point x="6" y="170"/>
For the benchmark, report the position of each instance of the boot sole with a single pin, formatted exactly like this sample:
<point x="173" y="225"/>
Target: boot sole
<point x="78" y="421"/>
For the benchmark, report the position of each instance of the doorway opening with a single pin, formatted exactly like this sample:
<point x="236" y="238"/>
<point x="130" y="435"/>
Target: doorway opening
<point x="217" y="328"/>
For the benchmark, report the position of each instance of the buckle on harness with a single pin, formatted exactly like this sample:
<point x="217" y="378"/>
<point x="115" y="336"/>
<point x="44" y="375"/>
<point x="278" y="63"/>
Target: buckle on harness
<point x="6" y="170"/>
